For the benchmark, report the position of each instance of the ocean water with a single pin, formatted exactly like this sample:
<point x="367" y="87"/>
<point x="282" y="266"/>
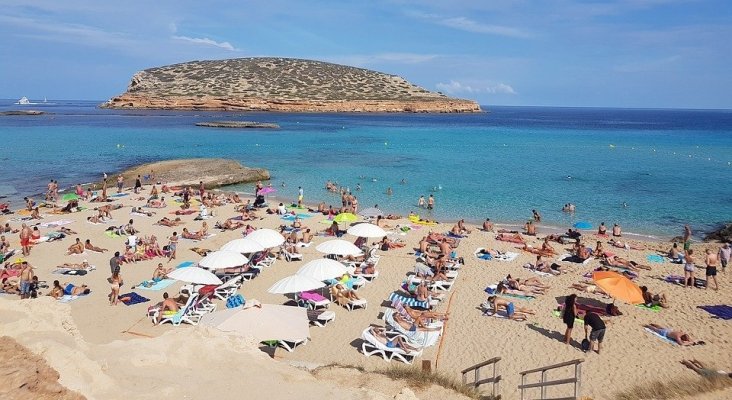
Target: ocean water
<point x="670" y="167"/>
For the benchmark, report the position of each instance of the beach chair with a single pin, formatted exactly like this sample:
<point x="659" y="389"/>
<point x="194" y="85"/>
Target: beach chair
<point x="290" y="345"/>
<point x="433" y="285"/>
<point x="371" y="345"/>
<point x="228" y="288"/>
<point x="185" y="314"/>
<point x="313" y="300"/>
<point x="418" y="338"/>
<point x="320" y="317"/>
<point x="203" y="305"/>
<point x="368" y="277"/>
<point x="291" y="256"/>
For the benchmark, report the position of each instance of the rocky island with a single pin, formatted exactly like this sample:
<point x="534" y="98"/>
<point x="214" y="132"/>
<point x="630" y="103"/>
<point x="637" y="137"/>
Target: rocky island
<point x="279" y="84"/>
<point x="238" y="124"/>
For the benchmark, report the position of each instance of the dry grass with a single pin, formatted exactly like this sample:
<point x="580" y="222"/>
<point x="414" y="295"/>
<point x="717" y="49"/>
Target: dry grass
<point x="676" y="388"/>
<point x="415" y="378"/>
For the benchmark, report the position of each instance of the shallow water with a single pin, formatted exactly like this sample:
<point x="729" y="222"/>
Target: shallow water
<point x="669" y="166"/>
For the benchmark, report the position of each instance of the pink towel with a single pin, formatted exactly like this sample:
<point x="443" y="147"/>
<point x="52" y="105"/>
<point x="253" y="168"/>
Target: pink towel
<point x="312" y="296"/>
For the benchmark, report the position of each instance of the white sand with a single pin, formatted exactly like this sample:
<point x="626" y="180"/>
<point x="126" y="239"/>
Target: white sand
<point x="630" y="355"/>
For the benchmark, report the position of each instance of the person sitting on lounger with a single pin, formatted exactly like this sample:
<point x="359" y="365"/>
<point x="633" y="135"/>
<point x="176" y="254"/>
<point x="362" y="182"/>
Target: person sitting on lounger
<point x="681" y="338"/>
<point x="398" y="341"/>
<point x="651" y="299"/>
<point x="412" y="326"/>
<point x="168" y="308"/>
<point x="343" y="295"/>
<point x="704" y="370"/>
<point x="512" y="312"/>
<point x="89" y="246"/>
<point x="76" y="248"/>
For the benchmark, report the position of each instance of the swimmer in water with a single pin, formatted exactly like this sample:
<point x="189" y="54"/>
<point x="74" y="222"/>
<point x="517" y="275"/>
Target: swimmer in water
<point x="358" y="187"/>
<point x="389" y="192"/>
<point x="373" y="179"/>
<point x="625" y="205"/>
<point x="403" y="182"/>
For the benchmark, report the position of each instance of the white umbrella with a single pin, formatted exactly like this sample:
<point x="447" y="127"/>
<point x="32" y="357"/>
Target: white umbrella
<point x="245" y="245"/>
<point x="294" y="284"/>
<point x="366" y="230"/>
<point x="195" y="275"/>
<point x="339" y="247"/>
<point x="270" y="322"/>
<point x="322" y="269"/>
<point x="268" y="238"/>
<point x="223" y="259"/>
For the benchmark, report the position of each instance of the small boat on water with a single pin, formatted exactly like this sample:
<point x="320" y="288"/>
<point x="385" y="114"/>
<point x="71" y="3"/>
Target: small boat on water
<point x="23" y="101"/>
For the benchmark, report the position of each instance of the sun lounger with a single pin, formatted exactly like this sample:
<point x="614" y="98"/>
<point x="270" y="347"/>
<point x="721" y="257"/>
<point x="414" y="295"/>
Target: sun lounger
<point x="320" y="317"/>
<point x="410" y="301"/>
<point x="288" y="345"/>
<point x="313" y="300"/>
<point x="418" y="337"/>
<point x="185" y="314"/>
<point x="291" y="256"/>
<point x="371" y="345"/>
<point x="228" y="288"/>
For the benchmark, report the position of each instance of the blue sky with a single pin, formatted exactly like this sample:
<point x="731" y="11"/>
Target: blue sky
<point x="623" y="53"/>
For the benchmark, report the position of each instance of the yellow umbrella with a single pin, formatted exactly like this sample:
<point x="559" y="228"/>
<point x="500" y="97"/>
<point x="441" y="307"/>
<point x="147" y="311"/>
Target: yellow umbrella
<point x="618" y="287"/>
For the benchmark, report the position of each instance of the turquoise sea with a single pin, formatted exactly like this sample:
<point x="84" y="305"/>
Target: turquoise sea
<point x="670" y="167"/>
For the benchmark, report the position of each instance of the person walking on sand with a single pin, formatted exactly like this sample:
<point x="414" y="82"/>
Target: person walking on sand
<point x="431" y="202"/>
<point x="569" y="315"/>
<point x="114" y="263"/>
<point x="711" y="261"/>
<point x="25" y="237"/>
<point x="689" y="268"/>
<point x="138" y="184"/>
<point x="172" y="245"/>
<point x="201" y="190"/>
<point x="115" y="282"/>
<point x="725" y="253"/>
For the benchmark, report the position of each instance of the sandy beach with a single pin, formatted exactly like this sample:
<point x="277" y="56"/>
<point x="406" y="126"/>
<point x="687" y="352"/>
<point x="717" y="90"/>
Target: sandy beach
<point x="84" y="339"/>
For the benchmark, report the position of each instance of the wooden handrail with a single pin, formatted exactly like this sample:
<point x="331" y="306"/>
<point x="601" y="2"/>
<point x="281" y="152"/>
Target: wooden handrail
<point x="564" y="364"/>
<point x="483" y="364"/>
<point x="549" y="383"/>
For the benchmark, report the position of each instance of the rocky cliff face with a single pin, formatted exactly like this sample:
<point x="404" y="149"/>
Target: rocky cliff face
<point x="280" y="84"/>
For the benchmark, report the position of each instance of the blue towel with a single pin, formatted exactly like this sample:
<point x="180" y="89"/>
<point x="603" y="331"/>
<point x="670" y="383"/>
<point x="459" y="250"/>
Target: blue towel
<point x="157" y="285"/>
<point x="185" y="264"/>
<point x="485" y="256"/>
<point x="719" y="311"/>
<point x="654" y="258"/>
<point x="134" y="298"/>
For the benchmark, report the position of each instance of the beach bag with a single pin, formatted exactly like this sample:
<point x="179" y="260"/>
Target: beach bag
<point x="235" y="301"/>
<point x="585" y="345"/>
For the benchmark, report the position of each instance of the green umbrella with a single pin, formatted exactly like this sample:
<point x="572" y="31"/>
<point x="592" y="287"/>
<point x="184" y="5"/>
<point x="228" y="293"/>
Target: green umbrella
<point x="345" y="217"/>
<point x="69" y="197"/>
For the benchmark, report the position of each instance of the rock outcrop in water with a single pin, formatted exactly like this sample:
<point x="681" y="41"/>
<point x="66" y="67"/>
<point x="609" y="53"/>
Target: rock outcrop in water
<point x="279" y="84"/>
<point x="238" y="124"/>
<point x="214" y="172"/>
<point x="723" y="234"/>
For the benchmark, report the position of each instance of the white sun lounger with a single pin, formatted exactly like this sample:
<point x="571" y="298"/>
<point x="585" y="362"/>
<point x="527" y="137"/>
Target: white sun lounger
<point x="371" y="345"/>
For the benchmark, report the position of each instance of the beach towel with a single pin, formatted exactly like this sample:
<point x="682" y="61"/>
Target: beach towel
<point x="483" y="256"/>
<point x="160" y="285"/>
<point x="119" y="195"/>
<point x="139" y="214"/>
<point x="540" y="273"/>
<point x="111" y="234"/>
<point x="491" y="289"/>
<point x="185" y="264"/>
<point x="507" y="256"/>
<point x="679" y="280"/>
<point x="60" y="222"/>
<point x="658" y="335"/>
<point x="574" y="259"/>
<point x="719" y="311"/>
<point x="558" y="314"/>
<point x="455" y="235"/>
<point x="409" y="301"/>
<point x="490" y="313"/>
<point x="68" y="298"/>
<point x="73" y="271"/>
<point x="132" y="298"/>
<point x="210" y="235"/>
<point x="418" y="338"/>
<point x="654" y="258"/>
<point x="655" y="308"/>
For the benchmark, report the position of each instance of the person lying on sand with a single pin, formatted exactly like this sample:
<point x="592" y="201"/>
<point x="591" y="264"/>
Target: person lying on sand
<point x="705" y="371"/>
<point x="139" y="210"/>
<point x="531" y="249"/>
<point x="229" y="225"/>
<point x="155" y="203"/>
<point x="503" y="289"/>
<point x="681" y="338"/>
<point x="527" y="284"/>
<point x="89" y="246"/>
<point x="511" y="237"/>
<point x="398" y="342"/>
<point x="200" y="251"/>
<point x="71" y="289"/>
<point x="496" y="304"/>
<point x="541" y="266"/>
<point x="615" y="261"/>
<point x="84" y="265"/>
<point x="625" y="245"/>
<point x="588" y="287"/>
<point x="170" y="222"/>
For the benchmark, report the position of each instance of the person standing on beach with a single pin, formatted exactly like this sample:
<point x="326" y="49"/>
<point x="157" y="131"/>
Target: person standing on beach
<point x="26" y="276"/>
<point x="420" y="202"/>
<point x="431" y="203"/>
<point x="25" y="236"/>
<point x="593" y="321"/>
<point x="138" y="184"/>
<point x="689" y="280"/>
<point x="201" y="190"/>
<point x="114" y="263"/>
<point x="49" y="191"/>
<point x="120" y="183"/>
<point x="104" y="188"/>
<point x="172" y="245"/>
<point x="568" y="316"/>
<point x="711" y="261"/>
<point x="537" y="216"/>
<point x="687" y="237"/>
<point x="300" y="196"/>
<point x="725" y="253"/>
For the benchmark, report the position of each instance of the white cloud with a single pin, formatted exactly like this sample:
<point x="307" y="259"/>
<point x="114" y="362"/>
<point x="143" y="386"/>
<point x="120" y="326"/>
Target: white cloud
<point x="207" y="41"/>
<point x="455" y="87"/>
<point x="470" y="25"/>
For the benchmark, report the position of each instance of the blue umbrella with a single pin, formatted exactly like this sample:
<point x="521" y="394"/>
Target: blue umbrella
<point x="583" y="225"/>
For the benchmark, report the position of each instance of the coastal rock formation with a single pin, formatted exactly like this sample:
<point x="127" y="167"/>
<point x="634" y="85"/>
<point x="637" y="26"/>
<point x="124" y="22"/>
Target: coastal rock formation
<point x="279" y="84"/>
<point x="214" y="172"/>
<point x="23" y="112"/>
<point x="24" y="375"/>
<point x="238" y="124"/>
<point x="723" y="234"/>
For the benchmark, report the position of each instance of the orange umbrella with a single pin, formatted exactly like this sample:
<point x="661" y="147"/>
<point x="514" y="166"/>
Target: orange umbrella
<point x="618" y="286"/>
